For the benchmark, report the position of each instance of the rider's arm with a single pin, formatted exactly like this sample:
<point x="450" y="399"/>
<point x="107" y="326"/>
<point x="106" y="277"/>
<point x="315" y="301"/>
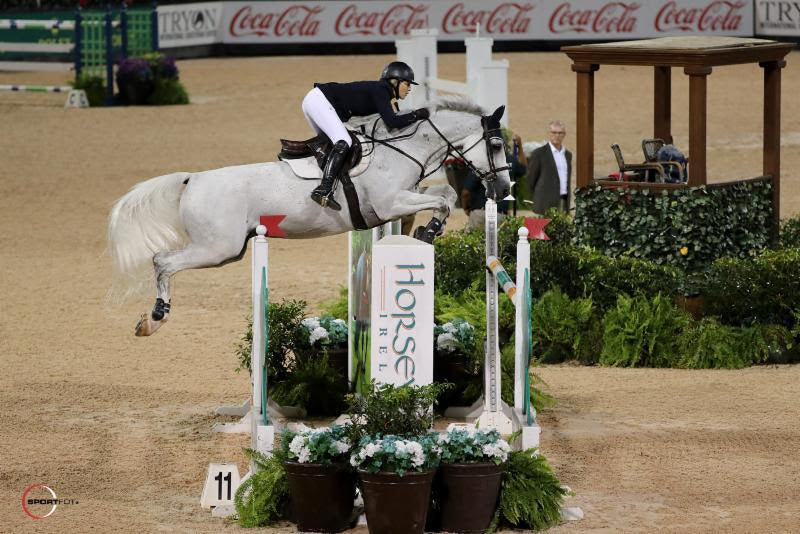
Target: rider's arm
<point x="383" y="103"/>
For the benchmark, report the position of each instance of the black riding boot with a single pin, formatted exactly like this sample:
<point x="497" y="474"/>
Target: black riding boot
<point x="323" y="194"/>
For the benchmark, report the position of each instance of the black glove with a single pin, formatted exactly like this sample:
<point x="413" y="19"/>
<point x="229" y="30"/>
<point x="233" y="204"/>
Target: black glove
<point x="422" y="114"/>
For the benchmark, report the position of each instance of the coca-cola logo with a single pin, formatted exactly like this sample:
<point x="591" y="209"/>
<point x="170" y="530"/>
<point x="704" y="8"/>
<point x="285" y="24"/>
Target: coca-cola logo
<point x="717" y="16"/>
<point x="506" y="18"/>
<point x="399" y="19"/>
<point x="295" y="21"/>
<point x="613" y="17"/>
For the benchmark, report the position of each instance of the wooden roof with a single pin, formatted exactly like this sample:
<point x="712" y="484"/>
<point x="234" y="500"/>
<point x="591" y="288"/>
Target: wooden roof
<point x="680" y="51"/>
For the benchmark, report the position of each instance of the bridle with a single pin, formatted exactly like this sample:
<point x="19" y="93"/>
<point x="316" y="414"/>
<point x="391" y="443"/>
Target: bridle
<point x="491" y="134"/>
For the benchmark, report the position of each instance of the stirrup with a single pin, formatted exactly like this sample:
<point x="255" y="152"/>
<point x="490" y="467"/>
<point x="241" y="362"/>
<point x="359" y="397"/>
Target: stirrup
<point x="326" y="201"/>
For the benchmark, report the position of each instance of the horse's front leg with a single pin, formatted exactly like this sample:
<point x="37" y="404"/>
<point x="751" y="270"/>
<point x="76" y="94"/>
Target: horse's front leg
<point x="439" y="198"/>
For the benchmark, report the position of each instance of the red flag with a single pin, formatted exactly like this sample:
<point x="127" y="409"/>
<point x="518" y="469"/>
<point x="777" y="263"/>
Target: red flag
<point x="273" y="222"/>
<point x="535" y="228"/>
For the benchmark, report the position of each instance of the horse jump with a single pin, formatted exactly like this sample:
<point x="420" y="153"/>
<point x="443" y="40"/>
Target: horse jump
<point x="487" y="79"/>
<point x="94" y="38"/>
<point x="194" y="220"/>
<point x="491" y="411"/>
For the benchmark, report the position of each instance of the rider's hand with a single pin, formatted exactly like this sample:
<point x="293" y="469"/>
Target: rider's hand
<point x="422" y="114"/>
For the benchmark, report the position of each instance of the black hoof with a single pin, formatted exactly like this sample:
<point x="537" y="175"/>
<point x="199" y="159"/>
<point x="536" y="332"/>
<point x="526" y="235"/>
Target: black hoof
<point x="326" y="201"/>
<point x="160" y="310"/>
<point x="429" y="232"/>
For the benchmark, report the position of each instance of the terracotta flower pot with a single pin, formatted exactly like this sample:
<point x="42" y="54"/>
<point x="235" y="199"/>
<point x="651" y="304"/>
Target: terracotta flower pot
<point x="320" y="496"/>
<point x="395" y="504"/>
<point x="468" y="496"/>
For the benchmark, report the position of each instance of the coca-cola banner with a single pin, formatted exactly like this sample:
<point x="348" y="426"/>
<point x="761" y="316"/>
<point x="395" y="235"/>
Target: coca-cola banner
<point x="778" y="17"/>
<point x="372" y="21"/>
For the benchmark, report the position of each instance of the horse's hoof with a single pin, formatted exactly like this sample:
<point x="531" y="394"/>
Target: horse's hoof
<point x="428" y="233"/>
<point x="147" y="326"/>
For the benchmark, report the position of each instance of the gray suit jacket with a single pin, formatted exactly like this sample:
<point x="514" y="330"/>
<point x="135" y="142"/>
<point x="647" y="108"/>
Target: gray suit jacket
<point x="545" y="187"/>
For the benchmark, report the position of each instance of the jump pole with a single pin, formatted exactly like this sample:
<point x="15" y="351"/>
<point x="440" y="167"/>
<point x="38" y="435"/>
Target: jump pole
<point x="490" y="411"/>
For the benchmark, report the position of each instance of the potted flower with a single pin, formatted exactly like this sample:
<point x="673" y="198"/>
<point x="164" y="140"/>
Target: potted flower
<point x="396" y="476"/>
<point x="329" y="334"/>
<point x="135" y="80"/>
<point x="470" y="475"/>
<point x="321" y="484"/>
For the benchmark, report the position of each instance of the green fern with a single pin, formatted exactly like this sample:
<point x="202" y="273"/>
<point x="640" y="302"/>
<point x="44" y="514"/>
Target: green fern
<point x="642" y="332"/>
<point x="263" y="498"/>
<point x="531" y="496"/>
<point x="564" y="328"/>
<point x="539" y="399"/>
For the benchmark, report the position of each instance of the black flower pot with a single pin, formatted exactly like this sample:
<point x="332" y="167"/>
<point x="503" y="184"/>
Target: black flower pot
<point x="135" y="91"/>
<point x="468" y="496"/>
<point x="396" y="504"/>
<point x="321" y="496"/>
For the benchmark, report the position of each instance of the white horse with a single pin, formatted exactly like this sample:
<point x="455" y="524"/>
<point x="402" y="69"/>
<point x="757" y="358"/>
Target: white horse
<point x="190" y="220"/>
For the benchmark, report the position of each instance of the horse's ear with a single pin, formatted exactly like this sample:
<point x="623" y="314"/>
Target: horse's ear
<point x="498" y="114"/>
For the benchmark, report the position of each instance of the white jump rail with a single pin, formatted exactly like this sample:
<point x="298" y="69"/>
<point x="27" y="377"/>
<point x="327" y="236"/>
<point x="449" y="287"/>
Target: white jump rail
<point x="487" y="78"/>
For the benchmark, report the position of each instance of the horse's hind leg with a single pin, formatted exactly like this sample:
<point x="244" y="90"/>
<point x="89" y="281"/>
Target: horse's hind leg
<point x="194" y="256"/>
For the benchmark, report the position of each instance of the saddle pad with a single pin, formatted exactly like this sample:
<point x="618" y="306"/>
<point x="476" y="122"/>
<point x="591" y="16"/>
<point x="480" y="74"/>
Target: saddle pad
<point x="307" y="168"/>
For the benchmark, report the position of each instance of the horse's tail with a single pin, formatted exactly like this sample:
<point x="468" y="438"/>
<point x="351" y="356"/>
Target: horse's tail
<point x="145" y="221"/>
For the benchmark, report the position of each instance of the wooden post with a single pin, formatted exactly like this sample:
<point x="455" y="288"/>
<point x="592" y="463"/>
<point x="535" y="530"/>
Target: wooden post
<point x="697" y="124"/>
<point x="662" y="103"/>
<point x="772" y="133"/>
<point x="585" y="123"/>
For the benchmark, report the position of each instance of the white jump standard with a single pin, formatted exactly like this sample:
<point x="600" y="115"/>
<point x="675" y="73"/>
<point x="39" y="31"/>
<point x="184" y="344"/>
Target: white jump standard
<point x="487" y="78"/>
<point x="490" y="411"/>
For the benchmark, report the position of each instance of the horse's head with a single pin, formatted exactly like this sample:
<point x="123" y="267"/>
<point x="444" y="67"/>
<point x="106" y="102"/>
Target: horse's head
<point x="485" y="153"/>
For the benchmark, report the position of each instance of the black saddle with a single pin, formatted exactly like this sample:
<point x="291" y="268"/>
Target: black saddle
<point x="319" y="147"/>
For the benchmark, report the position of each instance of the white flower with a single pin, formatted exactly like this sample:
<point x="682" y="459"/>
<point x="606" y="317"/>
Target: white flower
<point x="497" y="450"/>
<point x="317" y="334"/>
<point x="310" y="322"/>
<point x="304" y="455"/>
<point x="340" y="322"/>
<point x="297" y="444"/>
<point x="446" y="342"/>
<point x="370" y="450"/>
<point x="341" y="446"/>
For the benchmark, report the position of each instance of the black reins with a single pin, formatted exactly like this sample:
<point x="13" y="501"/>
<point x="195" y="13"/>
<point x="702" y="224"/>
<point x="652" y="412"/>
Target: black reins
<point x="489" y="134"/>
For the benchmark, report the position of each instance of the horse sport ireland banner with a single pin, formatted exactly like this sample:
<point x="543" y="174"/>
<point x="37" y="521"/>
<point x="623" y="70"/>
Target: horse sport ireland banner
<point x="536" y="20"/>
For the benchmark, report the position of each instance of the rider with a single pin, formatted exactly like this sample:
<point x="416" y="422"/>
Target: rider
<point x="328" y="105"/>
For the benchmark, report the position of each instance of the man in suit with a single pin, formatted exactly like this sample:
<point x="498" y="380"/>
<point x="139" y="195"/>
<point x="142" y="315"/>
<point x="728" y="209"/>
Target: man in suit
<point x="550" y="170"/>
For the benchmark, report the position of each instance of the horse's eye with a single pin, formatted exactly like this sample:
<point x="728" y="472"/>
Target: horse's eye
<point x="496" y="143"/>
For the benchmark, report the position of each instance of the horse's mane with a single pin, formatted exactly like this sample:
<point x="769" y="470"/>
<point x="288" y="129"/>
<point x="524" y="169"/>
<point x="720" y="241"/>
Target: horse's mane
<point x="457" y="103"/>
<point x="461" y="103"/>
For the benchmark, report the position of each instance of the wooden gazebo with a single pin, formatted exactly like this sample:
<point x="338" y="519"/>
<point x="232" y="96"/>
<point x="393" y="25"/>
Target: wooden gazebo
<point x="697" y="56"/>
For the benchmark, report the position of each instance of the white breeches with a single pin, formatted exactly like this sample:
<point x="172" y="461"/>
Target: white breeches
<point x="323" y="118"/>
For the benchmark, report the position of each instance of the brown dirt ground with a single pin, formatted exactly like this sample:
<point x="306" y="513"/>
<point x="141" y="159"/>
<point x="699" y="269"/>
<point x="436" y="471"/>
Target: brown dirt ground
<point x="123" y="424"/>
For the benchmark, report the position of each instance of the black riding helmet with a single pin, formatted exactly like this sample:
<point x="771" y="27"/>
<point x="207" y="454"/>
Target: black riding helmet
<point x="399" y="71"/>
